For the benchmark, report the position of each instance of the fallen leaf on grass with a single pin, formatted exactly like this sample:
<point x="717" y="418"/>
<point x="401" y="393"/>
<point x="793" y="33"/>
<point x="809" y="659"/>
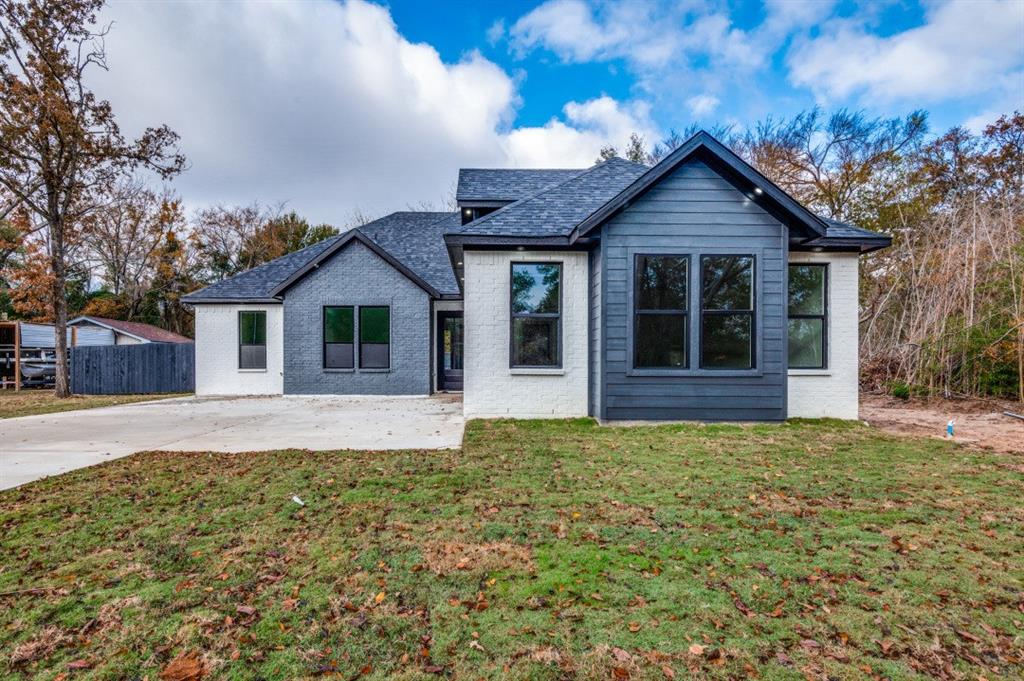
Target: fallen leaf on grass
<point x="188" y="666"/>
<point x="80" y="664"/>
<point x="696" y="649"/>
<point x="742" y="607"/>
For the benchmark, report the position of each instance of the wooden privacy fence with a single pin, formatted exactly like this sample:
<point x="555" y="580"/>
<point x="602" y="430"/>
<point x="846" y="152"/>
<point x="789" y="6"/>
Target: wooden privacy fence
<point x="127" y="369"/>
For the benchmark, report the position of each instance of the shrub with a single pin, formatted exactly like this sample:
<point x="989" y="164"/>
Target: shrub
<point x="900" y="389"/>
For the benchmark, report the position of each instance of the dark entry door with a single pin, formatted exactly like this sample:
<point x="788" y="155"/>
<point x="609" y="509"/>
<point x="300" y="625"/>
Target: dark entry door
<point x="449" y="351"/>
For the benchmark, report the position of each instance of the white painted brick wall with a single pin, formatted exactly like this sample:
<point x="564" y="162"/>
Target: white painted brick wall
<point x="217" y="371"/>
<point x="832" y="392"/>
<point x="491" y="388"/>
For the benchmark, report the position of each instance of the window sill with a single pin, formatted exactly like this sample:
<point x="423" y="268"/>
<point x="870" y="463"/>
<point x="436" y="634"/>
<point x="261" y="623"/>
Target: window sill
<point x="338" y="370"/>
<point x="696" y="373"/>
<point x="536" y="371"/>
<point x="374" y="371"/>
<point x="252" y="371"/>
<point x="810" y="372"/>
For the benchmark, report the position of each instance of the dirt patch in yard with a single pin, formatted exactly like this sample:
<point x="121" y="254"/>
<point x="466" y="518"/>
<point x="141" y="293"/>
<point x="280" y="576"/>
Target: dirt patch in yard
<point x="978" y="423"/>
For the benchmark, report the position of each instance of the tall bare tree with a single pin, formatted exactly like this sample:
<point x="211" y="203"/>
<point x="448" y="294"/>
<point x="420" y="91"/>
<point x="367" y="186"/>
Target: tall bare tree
<point x="841" y="165"/>
<point x="123" y="238"/>
<point x="60" y="147"/>
<point x="232" y="239"/>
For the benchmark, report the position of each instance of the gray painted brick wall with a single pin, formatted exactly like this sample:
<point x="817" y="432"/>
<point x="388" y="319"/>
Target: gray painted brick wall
<point x="356" y="276"/>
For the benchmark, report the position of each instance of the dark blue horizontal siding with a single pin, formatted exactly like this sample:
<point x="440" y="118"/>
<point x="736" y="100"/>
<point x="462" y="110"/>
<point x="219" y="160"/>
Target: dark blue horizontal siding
<point x="693" y="211"/>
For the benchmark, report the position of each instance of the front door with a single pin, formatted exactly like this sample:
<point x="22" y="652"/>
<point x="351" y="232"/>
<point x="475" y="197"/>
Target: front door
<point x="449" y="349"/>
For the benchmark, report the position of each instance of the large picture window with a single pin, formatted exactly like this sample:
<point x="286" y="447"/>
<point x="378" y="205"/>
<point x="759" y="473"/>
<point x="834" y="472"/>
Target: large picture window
<point x="808" y="292"/>
<point x="660" y="312"/>
<point x="252" y="340"/>
<point x="339" y="337"/>
<point x="374" y="337"/>
<point x="536" y="314"/>
<point x="727" y="312"/>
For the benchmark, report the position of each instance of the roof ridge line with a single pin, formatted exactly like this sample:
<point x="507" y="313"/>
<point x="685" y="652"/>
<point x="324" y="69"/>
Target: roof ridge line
<point x="524" y="169"/>
<point x="446" y="215"/>
<point x="534" y="195"/>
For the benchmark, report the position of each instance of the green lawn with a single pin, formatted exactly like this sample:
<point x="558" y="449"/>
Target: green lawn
<point x="543" y="550"/>
<point x="32" y="402"/>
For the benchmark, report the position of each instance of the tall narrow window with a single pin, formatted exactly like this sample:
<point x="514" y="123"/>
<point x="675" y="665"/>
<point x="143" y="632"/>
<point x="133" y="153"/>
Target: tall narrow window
<point x="536" y="314"/>
<point x="660" y="312"/>
<point x="339" y="337"/>
<point x="374" y="337"/>
<point x="252" y="340"/>
<point x="727" y="312"/>
<point x="808" y="291"/>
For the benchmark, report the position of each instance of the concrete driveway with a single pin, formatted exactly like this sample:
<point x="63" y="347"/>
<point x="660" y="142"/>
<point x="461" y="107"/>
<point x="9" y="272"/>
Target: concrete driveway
<point x="34" y="447"/>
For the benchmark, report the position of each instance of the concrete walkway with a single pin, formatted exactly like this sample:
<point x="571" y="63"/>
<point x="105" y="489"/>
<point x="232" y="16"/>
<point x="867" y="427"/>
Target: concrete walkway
<point x="34" y="447"/>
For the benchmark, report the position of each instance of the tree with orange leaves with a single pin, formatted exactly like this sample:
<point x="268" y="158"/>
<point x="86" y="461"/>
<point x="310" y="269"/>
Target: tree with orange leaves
<point x="60" y="147"/>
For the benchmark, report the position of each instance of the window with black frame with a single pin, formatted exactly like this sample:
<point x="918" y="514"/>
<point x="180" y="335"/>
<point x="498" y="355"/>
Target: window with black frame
<point x="252" y="340"/>
<point x="536" y="315"/>
<point x="339" y="337"/>
<point x="660" y="312"/>
<point x="808" y="310"/>
<point x="727" y="312"/>
<point x="375" y="337"/>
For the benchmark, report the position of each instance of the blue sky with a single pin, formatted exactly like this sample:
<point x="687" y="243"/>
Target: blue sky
<point x="548" y="79"/>
<point x="333" y="107"/>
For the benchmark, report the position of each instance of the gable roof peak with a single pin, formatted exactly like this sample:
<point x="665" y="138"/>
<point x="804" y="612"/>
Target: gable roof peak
<point x="730" y="162"/>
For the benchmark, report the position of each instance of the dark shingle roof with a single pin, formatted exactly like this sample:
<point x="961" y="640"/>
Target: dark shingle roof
<point x="415" y="239"/>
<point x="841" y="230"/>
<point x="257" y="283"/>
<point x="546" y="203"/>
<point x="555" y="210"/>
<point x="507" y="184"/>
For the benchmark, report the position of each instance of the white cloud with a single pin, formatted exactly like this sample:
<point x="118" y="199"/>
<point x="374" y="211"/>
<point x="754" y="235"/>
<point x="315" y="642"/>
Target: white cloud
<point x="590" y="126"/>
<point x="496" y="32"/>
<point x="657" y="34"/>
<point x="680" y="51"/>
<point x="702" y="105"/>
<point x="325" y="104"/>
<point x="639" y="31"/>
<point x="784" y="16"/>
<point x="962" y="49"/>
